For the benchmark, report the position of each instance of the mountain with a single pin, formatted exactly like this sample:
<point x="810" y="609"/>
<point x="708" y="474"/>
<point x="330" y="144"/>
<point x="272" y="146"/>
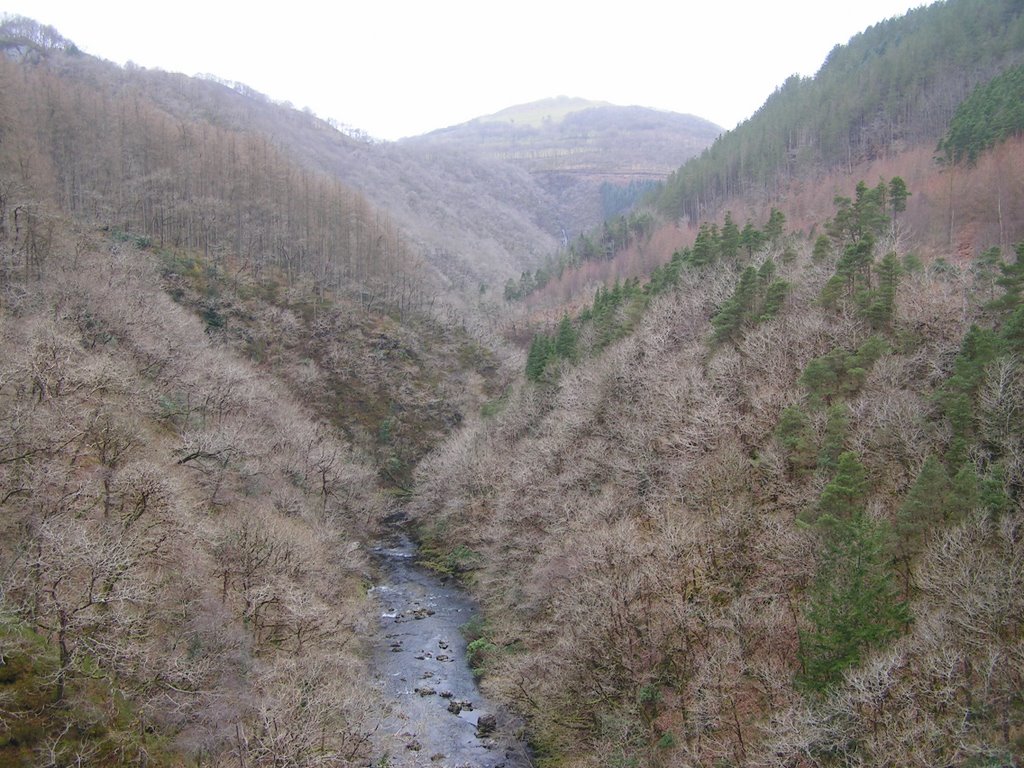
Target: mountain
<point x="581" y="152"/>
<point x="221" y="365"/>
<point x="756" y="501"/>
<point x="473" y="221"/>
<point x="762" y="504"/>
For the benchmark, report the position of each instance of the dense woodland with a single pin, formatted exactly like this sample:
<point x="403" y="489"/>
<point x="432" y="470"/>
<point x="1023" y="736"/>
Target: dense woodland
<point x="892" y="86"/>
<point x="765" y="527"/>
<point x="749" y="491"/>
<point x="208" y="396"/>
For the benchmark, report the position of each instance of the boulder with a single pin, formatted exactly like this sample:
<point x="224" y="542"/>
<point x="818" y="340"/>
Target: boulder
<point x="486" y="725"/>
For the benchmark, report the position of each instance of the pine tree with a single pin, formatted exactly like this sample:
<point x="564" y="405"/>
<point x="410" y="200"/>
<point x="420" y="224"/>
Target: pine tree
<point x="751" y="238"/>
<point x="882" y="307"/>
<point x="774" y="299"/>
<point x="853" y="603"/>
<point x="847" y="492"/>
<point x="565" y="339"/>
<point x="728" y="321"/>
<point x="705" y="247"/>
<point x="794" y="432"/>
<point x="964" y="494"/>
<point x="837" y="426"/>
<point x="776" y="223"/>
<point x="822" y="249"/>
<point x="898" y="194"/>
<point x="730" y="237"/>
<point x="1012" y="281"/>
<point x="922" y="510"/>
<point x="537" y="358"/>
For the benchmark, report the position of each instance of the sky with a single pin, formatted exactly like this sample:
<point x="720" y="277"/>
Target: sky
<point x="395" y="68"/>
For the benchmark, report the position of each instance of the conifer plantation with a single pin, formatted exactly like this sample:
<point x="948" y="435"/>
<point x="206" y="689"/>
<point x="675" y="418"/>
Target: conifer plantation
<point x="734" y="474"/>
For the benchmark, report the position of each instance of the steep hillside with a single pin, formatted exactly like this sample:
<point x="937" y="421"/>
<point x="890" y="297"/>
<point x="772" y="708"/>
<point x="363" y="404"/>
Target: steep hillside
<point x="774" y="520"/>
<point x="892" y="86"/>
<point x="585" y="154"/>
<point x="936" y="99"/>
<point x="474" y="221"/>
<point x="218" y="366"/>
<point x="759" y="500"/>
<point x="286" y="264"/>
<point x="181" y="560"/>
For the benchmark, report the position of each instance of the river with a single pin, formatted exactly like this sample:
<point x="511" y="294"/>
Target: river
<point x="436" y="708"/>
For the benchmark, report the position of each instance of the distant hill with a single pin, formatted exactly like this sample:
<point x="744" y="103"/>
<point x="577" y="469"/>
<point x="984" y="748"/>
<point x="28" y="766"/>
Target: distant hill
<point x="577" y="149"/>
<point x="474" y="220"/>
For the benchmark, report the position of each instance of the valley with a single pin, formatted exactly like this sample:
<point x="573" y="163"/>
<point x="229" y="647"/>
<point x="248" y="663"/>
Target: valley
<point x="573" y="436"/>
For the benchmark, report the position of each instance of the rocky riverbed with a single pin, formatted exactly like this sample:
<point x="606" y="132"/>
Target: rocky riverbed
<point x="438" y="716"/>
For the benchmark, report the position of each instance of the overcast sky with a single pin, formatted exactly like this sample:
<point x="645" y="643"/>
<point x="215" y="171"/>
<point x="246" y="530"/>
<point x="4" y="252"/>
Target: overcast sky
<point x="398" y="68"/>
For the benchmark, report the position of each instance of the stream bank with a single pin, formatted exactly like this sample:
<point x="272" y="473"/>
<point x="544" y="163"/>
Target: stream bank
<point x="437" y="714"/>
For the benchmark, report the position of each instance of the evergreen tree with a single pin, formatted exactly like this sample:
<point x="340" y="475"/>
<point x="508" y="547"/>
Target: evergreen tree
<point x="898" y="194"/>
<point x="511" y="290"/>
<point x="882" y="305"/>
<point x="870" y="207"/>
<point x="728" y="321"/>
<point x="980" y="347"/>
<point x="1011" y="280"/>
<point x="993" y="495"/>
<point x="832" y="292"/>
<point x="852" y="604"/>
<point x="866" y="215"/>
<point x="822" y="249"/>
<point x="730" y="237"/>
<point x="846" y="494"/>
<point x="923" y="508"/>
<point x="776" y="223"/>
<point x="774" y="299"/>
<point x="794" y="432"/>
<point x="565" y="339"/>
<point x="964" y="494"/>
<point x="837" y="426"/>
<point x="526" y="284"/>
<point x="985" y="268"/>
<point x="841" y="373"/>
<point x="537" y="358"/>
<point x="854" y="266"/>
<point x="705" y="247"/>
<point x="1013" y="332"/>
<point x="751" y="238"/>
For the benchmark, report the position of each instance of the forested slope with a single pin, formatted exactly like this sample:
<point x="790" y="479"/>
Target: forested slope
<point x="181" y="560"/>
<point x="766" y="526"/>
<point x="890" y="87"/>
<point x="216" y="364"/>
<point x="472" y="220"/>
<point x="762" y="504"/>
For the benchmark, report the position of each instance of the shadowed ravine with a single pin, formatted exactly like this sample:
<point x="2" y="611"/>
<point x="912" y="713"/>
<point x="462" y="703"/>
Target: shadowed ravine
<point x="420" y="661"/>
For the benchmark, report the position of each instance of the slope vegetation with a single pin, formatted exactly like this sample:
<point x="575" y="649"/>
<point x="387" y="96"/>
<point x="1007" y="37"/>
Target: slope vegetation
<point x="215" y="360"/>
<point x="893" y="85"/>
<point x="761" y="537"/>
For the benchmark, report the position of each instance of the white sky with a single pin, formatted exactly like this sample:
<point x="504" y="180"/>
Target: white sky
<point x="398" y="68"/>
